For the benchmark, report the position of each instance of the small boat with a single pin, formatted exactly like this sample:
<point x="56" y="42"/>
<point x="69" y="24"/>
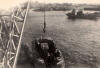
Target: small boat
<point x="81" y="15"/>
<point x="49" y="55"/>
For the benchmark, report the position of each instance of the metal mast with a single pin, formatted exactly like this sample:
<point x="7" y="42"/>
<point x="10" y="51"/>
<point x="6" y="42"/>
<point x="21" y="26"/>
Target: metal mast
<point x="20" y="39"/>
<point x="11" y="36"/>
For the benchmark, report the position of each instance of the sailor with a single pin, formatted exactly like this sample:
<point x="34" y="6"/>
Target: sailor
<point x="46" y="49"/>
<point x="49" y="42"/>
<point x="80" y="13"/>
<point x="73" y="12"/>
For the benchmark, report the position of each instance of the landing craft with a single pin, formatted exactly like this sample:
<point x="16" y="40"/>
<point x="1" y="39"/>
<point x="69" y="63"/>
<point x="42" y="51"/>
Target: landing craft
<point x="49" y="56"/>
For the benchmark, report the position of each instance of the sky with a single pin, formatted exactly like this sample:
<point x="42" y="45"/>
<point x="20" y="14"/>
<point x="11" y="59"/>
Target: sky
<point x="6" y="4"/>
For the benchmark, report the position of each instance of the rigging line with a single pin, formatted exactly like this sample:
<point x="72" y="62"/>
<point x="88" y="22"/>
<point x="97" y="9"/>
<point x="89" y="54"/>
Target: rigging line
<point x="20" y="39"/>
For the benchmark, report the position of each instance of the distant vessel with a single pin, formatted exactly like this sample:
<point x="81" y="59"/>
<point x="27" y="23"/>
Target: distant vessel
<point x="80" y="15"/>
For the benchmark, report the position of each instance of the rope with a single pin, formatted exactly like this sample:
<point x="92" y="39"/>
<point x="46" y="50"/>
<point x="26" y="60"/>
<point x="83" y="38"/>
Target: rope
<point x="20" y="39"/>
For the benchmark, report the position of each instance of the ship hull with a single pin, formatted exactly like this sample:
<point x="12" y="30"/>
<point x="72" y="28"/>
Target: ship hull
<point x="84" y="16"/>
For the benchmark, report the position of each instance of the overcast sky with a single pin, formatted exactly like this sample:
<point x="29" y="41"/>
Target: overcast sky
<point x="6" y="4"/>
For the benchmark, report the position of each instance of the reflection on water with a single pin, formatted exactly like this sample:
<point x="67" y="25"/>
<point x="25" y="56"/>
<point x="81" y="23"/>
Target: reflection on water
<point x="78" y="39"/>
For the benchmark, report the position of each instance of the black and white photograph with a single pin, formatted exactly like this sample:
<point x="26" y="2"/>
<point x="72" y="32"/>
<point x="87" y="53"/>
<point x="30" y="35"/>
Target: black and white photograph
<point x="49" y="34"/>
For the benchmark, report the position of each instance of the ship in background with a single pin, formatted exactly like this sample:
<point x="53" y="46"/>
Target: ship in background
<point x="79" y="14"/>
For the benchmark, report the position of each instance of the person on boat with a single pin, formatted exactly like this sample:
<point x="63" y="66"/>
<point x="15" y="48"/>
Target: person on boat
<point x="80" y="13"/>
<point x="47" y="50"/>
<point x="46" y="43"/>
<point x="73" y="12"/>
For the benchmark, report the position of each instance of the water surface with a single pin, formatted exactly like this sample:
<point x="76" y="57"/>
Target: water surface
<point x="79" y="39"/>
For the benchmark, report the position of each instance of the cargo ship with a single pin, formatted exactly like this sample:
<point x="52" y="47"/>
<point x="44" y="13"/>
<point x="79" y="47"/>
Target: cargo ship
<point x="80" y="15"/>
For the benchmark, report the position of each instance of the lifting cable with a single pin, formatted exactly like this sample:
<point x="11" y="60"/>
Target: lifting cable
<point x="44" y="28"/>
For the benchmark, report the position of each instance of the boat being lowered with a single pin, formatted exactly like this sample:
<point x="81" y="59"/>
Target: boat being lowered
<point x="49" y="55"/>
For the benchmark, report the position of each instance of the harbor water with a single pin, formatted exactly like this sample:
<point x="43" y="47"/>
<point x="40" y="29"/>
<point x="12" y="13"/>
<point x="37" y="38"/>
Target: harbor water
<point x="79" y="40"/>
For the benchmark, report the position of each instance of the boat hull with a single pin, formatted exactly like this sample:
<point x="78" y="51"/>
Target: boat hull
<point x="84" y="16"/>
<point x="41" y="64"/>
